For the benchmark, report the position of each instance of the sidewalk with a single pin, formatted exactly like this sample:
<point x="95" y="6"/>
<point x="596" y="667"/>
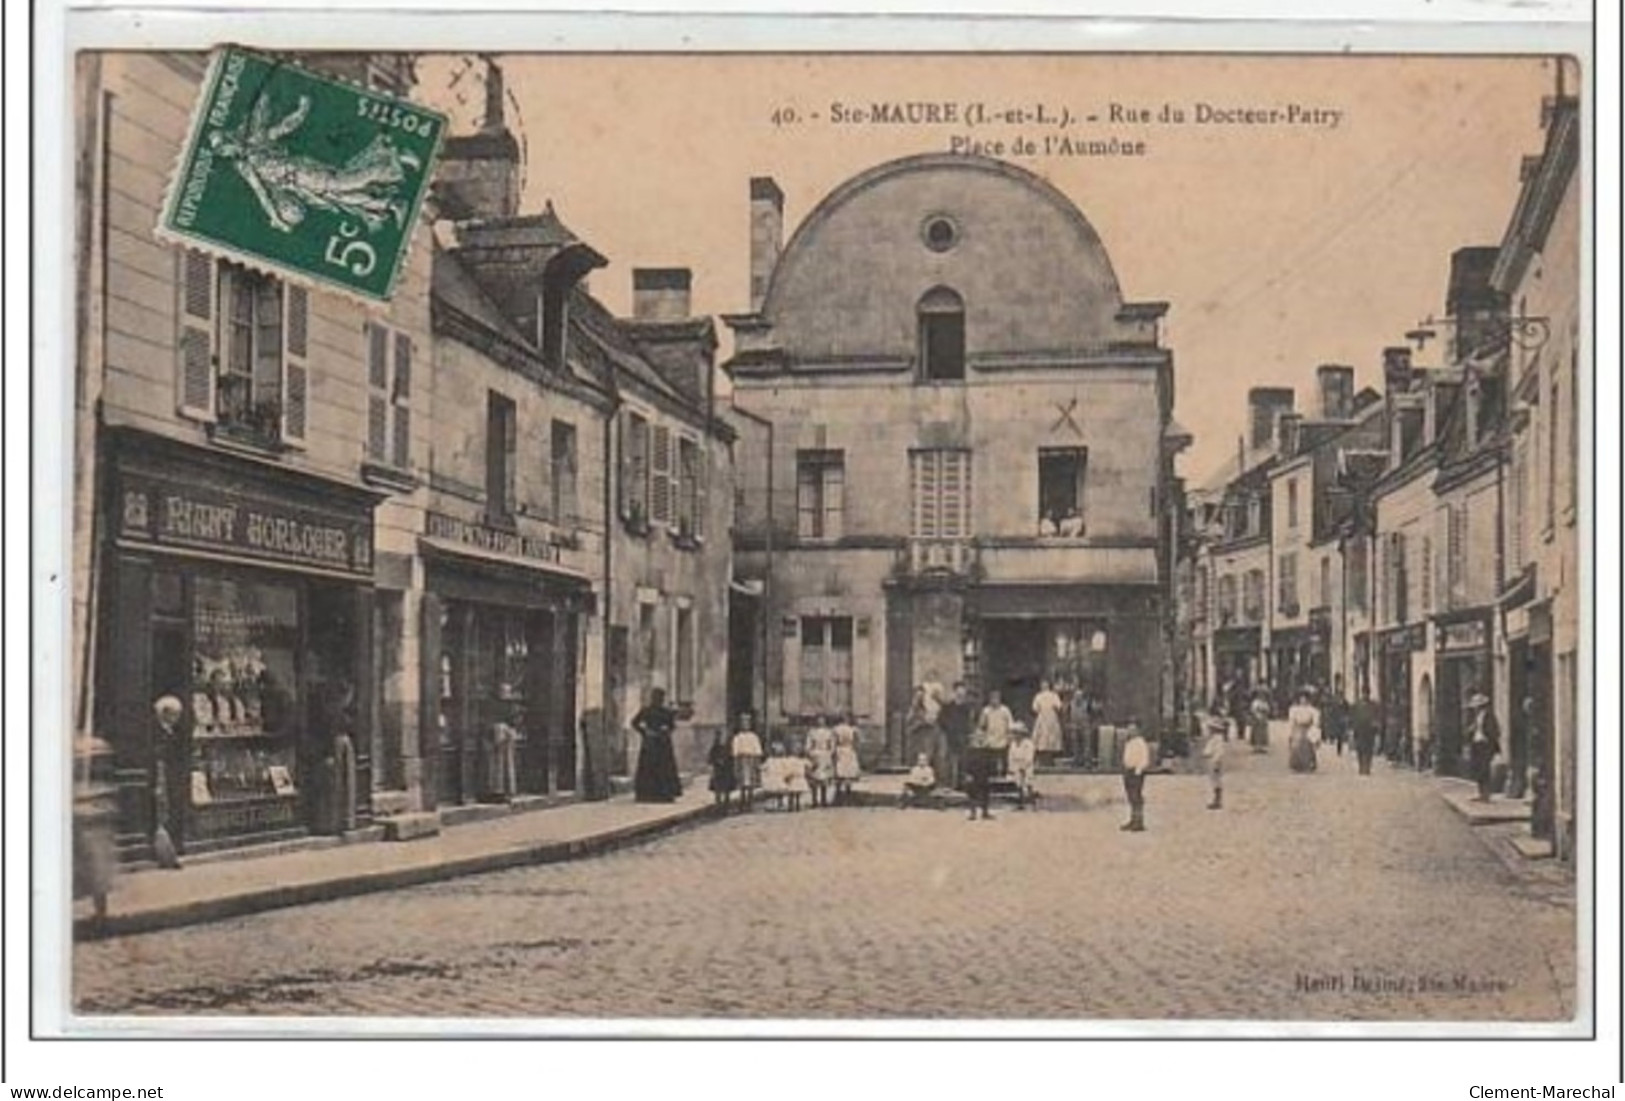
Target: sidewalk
<point x="146" y="901"/>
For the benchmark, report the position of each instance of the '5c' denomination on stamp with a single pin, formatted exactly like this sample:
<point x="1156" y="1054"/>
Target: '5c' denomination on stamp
<point x="301" y="173"/>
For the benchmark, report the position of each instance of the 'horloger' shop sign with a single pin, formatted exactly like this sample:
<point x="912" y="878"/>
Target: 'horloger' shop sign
<point x="166" y="513"/>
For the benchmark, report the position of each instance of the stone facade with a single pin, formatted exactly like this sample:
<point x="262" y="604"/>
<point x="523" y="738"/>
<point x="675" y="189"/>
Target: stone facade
<point x="949" y="368"/>
<point x="206" y="389"/>
<point x="1539" y="270"/>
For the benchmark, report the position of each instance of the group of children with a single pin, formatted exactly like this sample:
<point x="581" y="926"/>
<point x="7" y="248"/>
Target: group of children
<point x="827" y="761"/>
<point x="1017" y="759"/>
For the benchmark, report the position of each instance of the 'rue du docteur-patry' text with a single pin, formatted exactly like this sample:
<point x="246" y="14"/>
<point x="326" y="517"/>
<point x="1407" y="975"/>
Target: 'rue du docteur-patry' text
<point x="1046" y="129"/>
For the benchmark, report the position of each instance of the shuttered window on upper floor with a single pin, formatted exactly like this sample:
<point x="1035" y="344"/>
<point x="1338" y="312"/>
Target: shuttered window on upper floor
<point x="241" y="352"/>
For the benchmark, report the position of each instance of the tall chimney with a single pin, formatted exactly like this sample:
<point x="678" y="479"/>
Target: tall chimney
<point x="1264" y="405"/>
<point x="1396" y="369"/>
<point x="1286" y="427"/>
<point x="661" y="294"/>
<point x="766" y="235"/>
<point x="1336" y="385"/>
<point x="479" y="174"/>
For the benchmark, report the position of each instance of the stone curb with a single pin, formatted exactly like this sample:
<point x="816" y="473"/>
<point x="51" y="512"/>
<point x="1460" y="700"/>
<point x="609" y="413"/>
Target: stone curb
<point x="347" y="886"/>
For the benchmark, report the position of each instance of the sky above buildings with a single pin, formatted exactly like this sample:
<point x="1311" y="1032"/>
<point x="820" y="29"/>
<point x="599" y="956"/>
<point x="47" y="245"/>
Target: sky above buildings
<point x="1279" y="245"/>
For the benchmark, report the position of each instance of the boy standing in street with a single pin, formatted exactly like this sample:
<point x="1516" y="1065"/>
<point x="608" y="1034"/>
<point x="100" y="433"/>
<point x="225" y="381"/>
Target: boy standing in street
<point x="1213" y="759"/>
<point x="1136" y="762"/>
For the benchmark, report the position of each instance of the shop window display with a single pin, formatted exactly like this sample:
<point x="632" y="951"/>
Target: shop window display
<point x="244" y="679"/>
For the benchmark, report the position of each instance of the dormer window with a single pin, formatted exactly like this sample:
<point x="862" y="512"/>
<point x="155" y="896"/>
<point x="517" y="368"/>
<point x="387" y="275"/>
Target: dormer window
<point x="942" y="336"/>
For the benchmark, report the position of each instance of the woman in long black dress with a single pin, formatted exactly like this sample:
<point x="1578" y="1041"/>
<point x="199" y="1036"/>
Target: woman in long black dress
<point x="656" y="780"/>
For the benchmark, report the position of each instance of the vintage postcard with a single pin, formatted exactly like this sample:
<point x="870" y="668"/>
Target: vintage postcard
<point x="1071" y="538"/>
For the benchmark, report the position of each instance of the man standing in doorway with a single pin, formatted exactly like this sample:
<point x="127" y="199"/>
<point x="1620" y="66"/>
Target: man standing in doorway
<point x="1136" y="762"/>
<point x="1485" y="742"/>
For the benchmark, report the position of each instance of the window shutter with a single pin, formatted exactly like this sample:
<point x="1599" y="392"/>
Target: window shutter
<point x="790" y="680"/>
<point x="403" y="437"/>
<point x="702" y="476"/>
<point x="195" y="368"/>
<point x="295" y="370"/>
<point x="402" y="453"/>
<point x="862" y="675"/>
<point x="510" y="468"/>
<point x="834" y="499"/>
<point x="377" y="392"/>
<point x="624" y="479"/>
<point x="661" y="480"/>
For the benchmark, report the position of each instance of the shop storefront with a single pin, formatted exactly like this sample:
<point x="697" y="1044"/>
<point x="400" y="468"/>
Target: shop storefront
<point x="1396" y="650"/>
<point x="502" y="648"/>
<point x="1099" y="640"/>
<point x="1463" y="667"/>
<point x="1236" y="656"/>
<point x="243" y="590"/>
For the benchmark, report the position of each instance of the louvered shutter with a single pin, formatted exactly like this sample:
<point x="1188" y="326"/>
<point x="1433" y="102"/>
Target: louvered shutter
<point x="377" y="393"/>
<point x="862" y="674"/>
<point x="925" y="494"/>
<point x="790" y="678"/>
<point x="402" y="453"/>
<point x="702" y="478"/>
<point x="295" y="369"/>
<point x="953" y="495"/>
<point x="510" y="466"/>
<point x="626" y="465"/>
<point x="195" y="375"/>
<point x="660" y="509"/>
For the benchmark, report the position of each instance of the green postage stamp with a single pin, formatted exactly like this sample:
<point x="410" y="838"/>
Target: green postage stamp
<point x="302" y="174"/>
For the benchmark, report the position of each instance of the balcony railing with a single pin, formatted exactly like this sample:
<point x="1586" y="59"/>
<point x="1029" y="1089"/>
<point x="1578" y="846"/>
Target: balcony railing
<point x="945" y="558"/>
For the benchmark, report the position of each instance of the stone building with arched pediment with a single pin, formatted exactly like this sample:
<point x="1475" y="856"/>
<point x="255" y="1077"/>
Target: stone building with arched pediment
<point x="969" y="474"/>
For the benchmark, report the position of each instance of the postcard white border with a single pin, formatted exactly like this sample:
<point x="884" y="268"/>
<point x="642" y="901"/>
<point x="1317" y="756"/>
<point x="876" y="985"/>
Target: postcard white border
<point x="1517" y="29"/>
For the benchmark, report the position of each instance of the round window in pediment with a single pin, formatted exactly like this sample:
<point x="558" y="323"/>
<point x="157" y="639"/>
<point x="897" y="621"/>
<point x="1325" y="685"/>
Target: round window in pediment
<point x="940" y="233"/>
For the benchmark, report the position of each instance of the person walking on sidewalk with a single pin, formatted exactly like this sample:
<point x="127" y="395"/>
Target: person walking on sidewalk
<point x="1257" y="715"/>
<point x="721" y="759"/>
<point x="1218" y="729"/>
<point x="1335" y="714"/>
<point x="1365" y="720"/>
<point x="656" y="780"/>
<point x="1485" y="742"/>
<point x="746" y="748"/>
<point x="1303" y="733"/>
<point x="1136" y="762"/>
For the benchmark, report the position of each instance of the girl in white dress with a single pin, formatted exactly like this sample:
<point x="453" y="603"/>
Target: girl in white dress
<point x="1048" y="737"/>
<point x="796" y="783"/>
<point x="847" y="769"/>
<point x="821" y="758"/>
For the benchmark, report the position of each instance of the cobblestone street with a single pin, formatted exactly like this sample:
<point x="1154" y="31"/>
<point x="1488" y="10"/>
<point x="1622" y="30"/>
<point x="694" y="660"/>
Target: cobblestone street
<point x="1320" y="897"/>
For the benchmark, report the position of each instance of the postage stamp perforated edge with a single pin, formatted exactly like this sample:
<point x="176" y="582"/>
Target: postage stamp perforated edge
<point x="168" y="234"/>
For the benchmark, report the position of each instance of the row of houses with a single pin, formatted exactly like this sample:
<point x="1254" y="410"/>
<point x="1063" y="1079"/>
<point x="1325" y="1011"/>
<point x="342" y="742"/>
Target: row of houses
<point x="352" y="542"/>
<point x="1420" y="542"/>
